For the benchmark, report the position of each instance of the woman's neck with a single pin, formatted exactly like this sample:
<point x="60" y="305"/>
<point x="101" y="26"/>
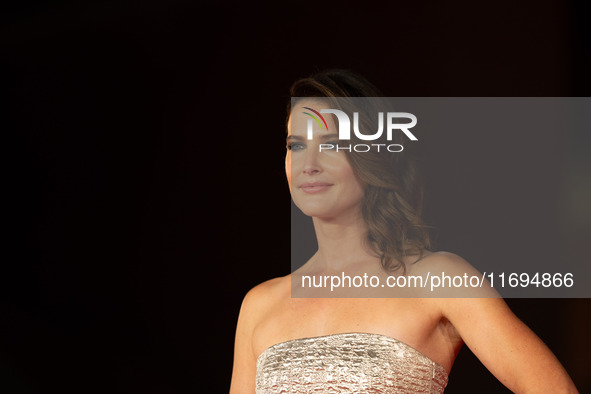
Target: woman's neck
<point x="341" y="244"/>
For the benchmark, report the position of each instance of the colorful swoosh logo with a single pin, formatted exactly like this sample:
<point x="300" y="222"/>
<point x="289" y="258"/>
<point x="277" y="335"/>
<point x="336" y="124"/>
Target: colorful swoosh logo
<point x="315" y="118"/>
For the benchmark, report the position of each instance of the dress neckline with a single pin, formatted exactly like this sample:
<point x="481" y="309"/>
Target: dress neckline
<point x="319" y="337"/>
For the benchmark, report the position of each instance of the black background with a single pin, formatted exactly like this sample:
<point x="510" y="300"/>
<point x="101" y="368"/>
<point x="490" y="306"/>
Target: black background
<point x="144" y="183"/>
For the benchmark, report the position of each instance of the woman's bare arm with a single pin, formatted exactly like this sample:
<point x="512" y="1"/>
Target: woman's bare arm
<point x="244" y="369"/>
<point x="504" y="344"/>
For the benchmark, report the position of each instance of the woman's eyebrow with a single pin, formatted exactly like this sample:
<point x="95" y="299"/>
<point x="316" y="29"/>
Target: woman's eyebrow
<point x="323" y="137"/>
<point x="294" y="137"/>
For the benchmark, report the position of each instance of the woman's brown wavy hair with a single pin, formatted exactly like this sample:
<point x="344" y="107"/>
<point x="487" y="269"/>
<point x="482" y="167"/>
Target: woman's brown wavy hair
<point x="393" y="197"/>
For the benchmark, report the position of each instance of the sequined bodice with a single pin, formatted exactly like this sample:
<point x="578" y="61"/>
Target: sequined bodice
<point x="347" y="363"/>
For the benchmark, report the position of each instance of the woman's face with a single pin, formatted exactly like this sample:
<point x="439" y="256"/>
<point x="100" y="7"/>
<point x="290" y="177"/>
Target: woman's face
<point x="322" y="183"/>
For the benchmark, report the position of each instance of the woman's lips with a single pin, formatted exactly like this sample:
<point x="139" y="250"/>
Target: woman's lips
<point x="315" y="187"/>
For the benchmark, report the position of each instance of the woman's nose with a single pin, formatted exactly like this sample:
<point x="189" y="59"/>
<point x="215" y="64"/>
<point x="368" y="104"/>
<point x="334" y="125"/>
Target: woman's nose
<point x="311" y="163"/>
<point x="311" y="170"/>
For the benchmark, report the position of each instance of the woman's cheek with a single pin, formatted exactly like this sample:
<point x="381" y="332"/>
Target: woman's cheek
<point x="288" y="168"/>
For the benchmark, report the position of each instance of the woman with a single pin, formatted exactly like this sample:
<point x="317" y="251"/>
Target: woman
<point x="366" y="214"/>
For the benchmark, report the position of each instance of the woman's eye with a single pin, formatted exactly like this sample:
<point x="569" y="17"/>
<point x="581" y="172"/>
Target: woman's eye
<point x="295" y="146"/>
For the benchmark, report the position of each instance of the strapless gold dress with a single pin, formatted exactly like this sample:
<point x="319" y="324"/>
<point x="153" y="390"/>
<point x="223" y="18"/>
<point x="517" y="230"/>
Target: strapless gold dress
<point x="347" y="363"/>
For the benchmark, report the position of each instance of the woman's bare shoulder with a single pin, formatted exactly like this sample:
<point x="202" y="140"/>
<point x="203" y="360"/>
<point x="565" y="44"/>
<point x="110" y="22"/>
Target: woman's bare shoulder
<point x="442" y="261"/>
<point x="447" y="274"/>
<point x="265" y="295"/>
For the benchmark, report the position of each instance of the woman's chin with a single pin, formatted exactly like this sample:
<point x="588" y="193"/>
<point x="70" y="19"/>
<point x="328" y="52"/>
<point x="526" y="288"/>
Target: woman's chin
<point x="312" y="208"/>
<point x="315" y="213"/>
<point x="324" y="212"/>
<point x="321" y="214"/>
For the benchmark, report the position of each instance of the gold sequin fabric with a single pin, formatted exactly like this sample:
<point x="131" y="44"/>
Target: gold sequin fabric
<point x="347" y="363"/>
